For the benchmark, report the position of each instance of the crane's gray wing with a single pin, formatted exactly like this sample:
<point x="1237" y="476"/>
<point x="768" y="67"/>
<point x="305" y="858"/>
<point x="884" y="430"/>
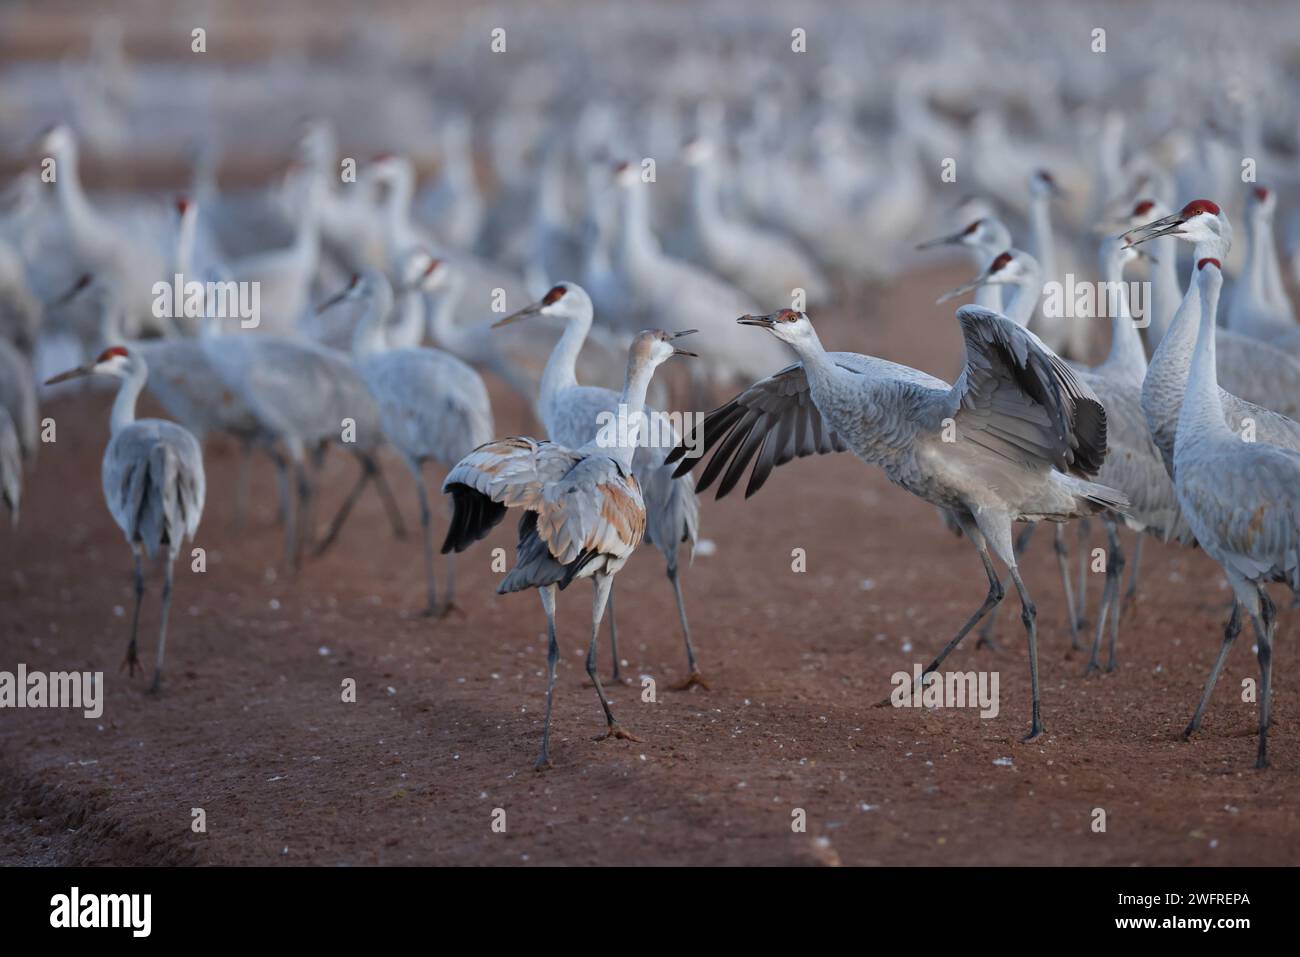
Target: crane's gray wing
<point x="771" y="422"/>
<point x="1249" y="510"/>
<point x="1018" y="399"/>
<point x="154" y="484"/>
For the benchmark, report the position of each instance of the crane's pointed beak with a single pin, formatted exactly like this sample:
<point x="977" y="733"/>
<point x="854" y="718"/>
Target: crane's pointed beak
<point x="763" y="322"/>
<point x="980" y="280"/>
<point x="532" y="309"/>
<point x="683" y="352"/>
<point x="952" y="240"/>
<point x="347" y="292"/>
<point x="76" y="373"/>
<point x="1171" y="225"/>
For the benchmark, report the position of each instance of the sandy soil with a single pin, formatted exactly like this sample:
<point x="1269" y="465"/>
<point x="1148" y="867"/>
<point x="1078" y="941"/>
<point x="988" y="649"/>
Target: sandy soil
<point x="251" y="727"/>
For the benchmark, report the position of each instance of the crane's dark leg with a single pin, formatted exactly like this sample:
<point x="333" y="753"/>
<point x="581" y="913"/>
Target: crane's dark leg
<point x="304" y="513"/>
<point x="367" y="473"/>
<point x="132" y="660"/>
<point x="613" y="635"/>
<point x="694" y="678"/>
<point x="1083" y="532"/>
<point x="1109" y="595"/>
<point x="1265" y="625"/>
<point x="426" y="529"/>
<point x="1230" y="632"/>
<point x="241" y="484"/>
<point x="156" y="687"/>
<point x="1116" y="601"/>
<point x="547" y="594"/>
<point x="995" y="595"/>
<point x="390" y="501"/>
<point x="985" y="635"/>
<point x="1130" y="593"/>
<point x="1029" y="615"/>
<point x="1063" y="564"/>
<point x="602" y="585"/>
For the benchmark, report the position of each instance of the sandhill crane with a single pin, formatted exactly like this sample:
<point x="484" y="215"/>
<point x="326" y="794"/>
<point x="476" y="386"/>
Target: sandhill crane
<point x="452" y="204"/>
<point x="100" y="244"/>
<point x="1058" y="332"/>
<point x="513" y="358"/>
<point x="153" y="483"/>
<point x="1020" y="420"/>
<point x="305" y="395"/>
<point x="764" y="264"/>
<point x="1241" y="498"/>
<point x="583" y="513"/>
<point x="668" y="286"/>
<point x="1203" y="224"/>
<point x="432" y="406"/>
<point x="1166" y="291"/>
<point x="1259" y="305"/>
<point x="986" y="238"/>
<point x="1015" y="268"/>
<point x="572" y="414"/>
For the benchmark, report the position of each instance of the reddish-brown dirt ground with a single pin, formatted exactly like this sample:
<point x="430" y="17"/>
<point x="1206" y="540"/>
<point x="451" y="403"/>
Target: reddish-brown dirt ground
<point x="447" y="720"/>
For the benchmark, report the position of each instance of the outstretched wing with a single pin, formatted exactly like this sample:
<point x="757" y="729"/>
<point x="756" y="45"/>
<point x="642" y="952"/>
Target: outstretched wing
<point x="1017" y="398"/>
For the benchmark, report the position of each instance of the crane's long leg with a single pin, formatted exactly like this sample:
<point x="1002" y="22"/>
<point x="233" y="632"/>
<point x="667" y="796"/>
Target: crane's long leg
<point x="995" y="594"/>
<point x="367" y="473"/>
<point x="162" y="625"/>
<point x="241" y="483"/>
<point x="694" y="678"/>
<point x="1230" y="632"/>
<point x="985" y="636"/>
<point x="449" y="603"/>
<point x="302" y="514"/>
<point x="1083" y="531"/>
<point x="1116" y="600"/>
<point x="1109" y="596"/>
<point x="1130" y="593"/>
<point x="547" y="594"/>
<point x="426" y="528"/>
<point x="1029" y="614"/>
<point x="132" y="660"/>
<point x="613" y="635"/>
<point x="602" y="585"/>
<point x="390" y="501"/>
<point x="1265" y="625"/>
<point x="1063" y="564"/>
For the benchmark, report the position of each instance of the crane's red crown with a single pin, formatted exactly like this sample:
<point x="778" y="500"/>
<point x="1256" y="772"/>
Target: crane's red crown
<point x="1208" y="259"/>
<point x="553" y="295"/>
<point x="1002" y="260"/>
<point x="1198" y="206"/>
<point x="110" y="352"/>
<point x="1143" y="207"/>
<point x="1261" y="193"/>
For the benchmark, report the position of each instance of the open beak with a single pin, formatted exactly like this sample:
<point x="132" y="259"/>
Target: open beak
<point x="764" y="322"/>
<point x="1171" y="225"/>
<point x="683" y="352"/>
<point x="980" y="280"/>
<point x="76" y="373"/>
<point x="953" y="240"/>
<point x="532" y="309"/>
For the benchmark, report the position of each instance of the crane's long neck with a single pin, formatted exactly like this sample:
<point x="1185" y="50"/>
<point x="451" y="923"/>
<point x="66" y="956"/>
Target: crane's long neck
<point x="636" y="240"/>
<point x="127" y="393"/>
<point x="632" y="407"/>
<point x="87" y="228"/>
<point x="1278" y="299"/>
<point x="1041" y="224"/>
<point x="1166" y="293"/>
<point x="704" y="196"/>
<point x="1020" y="308"/>
<point x="443" y="328"/>
<point x="411" y="309"/>
<point x="1126" y="359"/>
<point x="818" y="366"/>
<point x="368" y="337"/>
<point x="1173" y="356"/>
<point x="561" y="368"/>
<point x="1201" y="415"/>
<point x="183" y="256"/>
<point x="989" y="296"/>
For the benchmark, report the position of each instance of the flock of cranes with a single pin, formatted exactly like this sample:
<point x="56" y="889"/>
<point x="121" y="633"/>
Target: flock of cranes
<point x="378" y="317"/>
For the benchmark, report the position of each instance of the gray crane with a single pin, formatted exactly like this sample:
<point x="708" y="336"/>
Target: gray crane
<point x="1241" y="498"/>
<point x="153" y="483"/>
<point x="1009" y="442"/>
<point x="432" y="406"/>
<point x="572" y="414"/>
<point x="986" y="238"/>
<point x="583" y="514"/>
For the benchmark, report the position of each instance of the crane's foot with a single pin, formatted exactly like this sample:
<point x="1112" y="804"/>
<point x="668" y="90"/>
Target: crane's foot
<point x="1034" y="732"/>
<point x="131" y="661"/>
<point x="543" y="762"/>
<point x="1111" y="666"/>
<point x="616" y="731"/>
<point x="693" y="680"/>
<point x="447" y="607"/>
<point x="986" y="641"/>
<point x="1094" y="667"/>
<point x="155" y="687"/>
<point x="1189" y="731"/>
